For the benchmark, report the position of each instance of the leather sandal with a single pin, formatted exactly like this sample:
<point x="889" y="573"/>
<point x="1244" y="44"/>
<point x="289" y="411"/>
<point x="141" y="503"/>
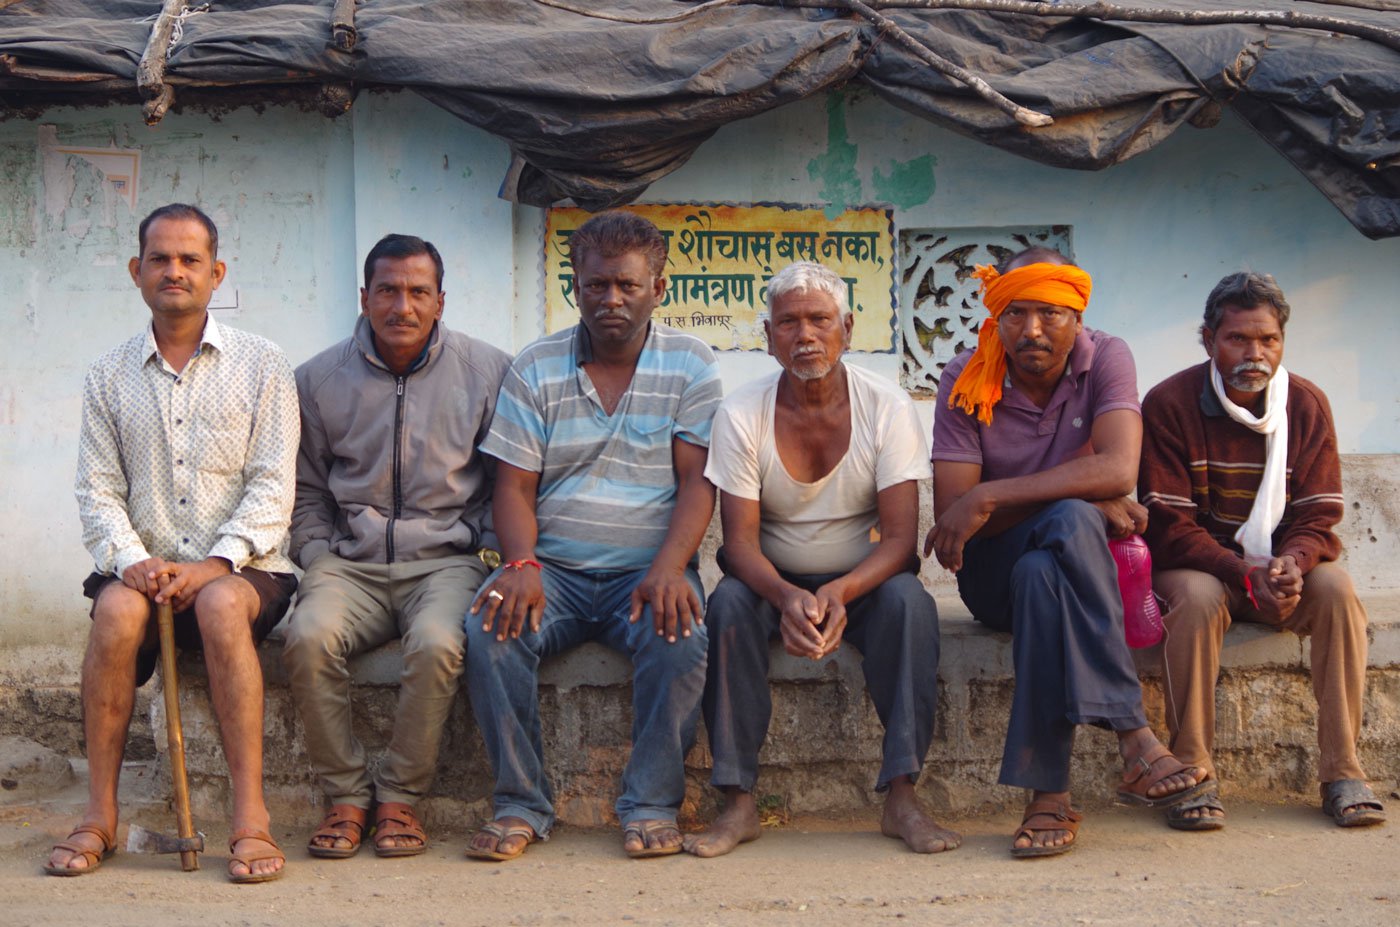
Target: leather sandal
<point x="1042" y="815"/>
<point x="647" y="832"/>
<point x="396" y="819"/>
<point x="1351" y="803"/>
<point x="247" y="859"/>
<point x="342" y="822"/>
<point x="1150" y="768"/>
<point x="500" y="832"/>
<point x="1209" y="800"/>
<point x="94" y="858"/>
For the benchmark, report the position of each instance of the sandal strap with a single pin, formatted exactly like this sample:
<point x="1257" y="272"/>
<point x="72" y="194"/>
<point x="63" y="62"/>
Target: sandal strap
<point x="78" y="850"/>
<point x="338" y="816"/>
<point x="97" y="830"/>
<point x="1060" y="811"/>
<point x="1208" y="800"/>
<point x="397" y="819"/>
<point x="1144" y="764"/>
<point x="252" y="833"/>
<point x="1349" y="793"/>
<point x="649" y="828"/>
<point x="500" y="832"/>
<point x="93" y="857"/>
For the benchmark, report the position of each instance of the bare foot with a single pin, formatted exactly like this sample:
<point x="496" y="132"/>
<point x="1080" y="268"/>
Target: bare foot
<point x="737" y="823"/>
<point x="904" y="819"/>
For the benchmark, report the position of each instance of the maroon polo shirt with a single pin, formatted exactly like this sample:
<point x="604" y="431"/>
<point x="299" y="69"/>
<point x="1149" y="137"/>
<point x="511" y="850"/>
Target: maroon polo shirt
<point x="1023" y="438"/>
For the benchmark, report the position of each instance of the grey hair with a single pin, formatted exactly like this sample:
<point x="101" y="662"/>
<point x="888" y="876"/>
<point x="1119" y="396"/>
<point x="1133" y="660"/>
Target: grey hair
<point x="1246" y="290"/>
<point x="808" y="277"/>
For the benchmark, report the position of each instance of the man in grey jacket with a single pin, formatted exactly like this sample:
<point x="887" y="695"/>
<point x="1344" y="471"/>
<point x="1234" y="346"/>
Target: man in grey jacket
<point x="391" y="526"/>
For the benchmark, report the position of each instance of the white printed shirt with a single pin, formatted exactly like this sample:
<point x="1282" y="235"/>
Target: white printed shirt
<point x="189" y="465"/>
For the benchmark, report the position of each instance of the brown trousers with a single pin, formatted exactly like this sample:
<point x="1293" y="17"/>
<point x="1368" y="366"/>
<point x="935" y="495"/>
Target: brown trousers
<point x="1200" y="609"/>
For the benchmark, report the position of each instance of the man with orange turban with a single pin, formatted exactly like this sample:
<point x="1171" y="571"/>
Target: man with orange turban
<point x="1035" y="448"/>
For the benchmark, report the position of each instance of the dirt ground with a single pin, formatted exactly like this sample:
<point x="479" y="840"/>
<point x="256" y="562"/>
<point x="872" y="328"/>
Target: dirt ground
<point x="1284" y="864"/>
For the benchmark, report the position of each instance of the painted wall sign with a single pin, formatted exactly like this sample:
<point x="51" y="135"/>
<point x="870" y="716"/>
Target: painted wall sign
<point x="720" y="259"/>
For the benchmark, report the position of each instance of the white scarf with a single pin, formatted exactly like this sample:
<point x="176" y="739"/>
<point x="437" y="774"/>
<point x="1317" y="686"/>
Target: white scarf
<point x="1257" y="533"/>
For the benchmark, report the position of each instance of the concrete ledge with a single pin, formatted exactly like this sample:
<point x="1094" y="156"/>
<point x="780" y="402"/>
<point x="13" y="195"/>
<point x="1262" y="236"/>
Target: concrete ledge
<point x="823" y="749"/>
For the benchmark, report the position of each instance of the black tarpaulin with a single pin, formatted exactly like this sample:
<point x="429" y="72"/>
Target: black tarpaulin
<point x="595" y="110"/>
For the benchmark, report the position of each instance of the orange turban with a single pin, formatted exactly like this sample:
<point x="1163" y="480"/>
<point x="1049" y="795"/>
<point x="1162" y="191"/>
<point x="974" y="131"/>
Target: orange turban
<point x="978" y="387"/>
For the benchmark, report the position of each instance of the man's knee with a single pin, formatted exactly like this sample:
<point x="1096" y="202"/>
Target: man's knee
<point x="1330" y="582"/>
<point x="1197" y="602"/>
<point x="225" y="610"/>
<point x="1034" y="569"/>
<point x="1075" y="515"/>
<point x="488" y="658"/>
<point x="732" y="603"/>
<point x="439" y="647"/>
<point x="121" y="616"/>
<point x="903" y="601"/>
<point x="1328" y="595"/>
<point x="677" y="658"/>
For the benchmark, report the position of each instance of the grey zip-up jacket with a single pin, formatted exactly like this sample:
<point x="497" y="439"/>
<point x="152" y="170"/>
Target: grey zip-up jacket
<point x="388" y="469"/>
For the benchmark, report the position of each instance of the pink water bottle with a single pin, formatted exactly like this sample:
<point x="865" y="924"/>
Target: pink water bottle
<point x="1142" y="619"/>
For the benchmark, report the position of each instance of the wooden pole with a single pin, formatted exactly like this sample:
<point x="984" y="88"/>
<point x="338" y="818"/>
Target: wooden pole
<point x="184" y="821"/>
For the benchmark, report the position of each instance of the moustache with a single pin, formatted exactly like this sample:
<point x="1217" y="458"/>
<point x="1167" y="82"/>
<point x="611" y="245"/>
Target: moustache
<point x="1028" y="343"/>
<point x="1252" y="367"/>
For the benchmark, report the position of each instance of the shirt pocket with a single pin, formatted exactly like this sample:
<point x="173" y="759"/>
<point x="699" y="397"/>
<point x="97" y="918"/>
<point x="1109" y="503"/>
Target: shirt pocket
<point x="221" y="439"/>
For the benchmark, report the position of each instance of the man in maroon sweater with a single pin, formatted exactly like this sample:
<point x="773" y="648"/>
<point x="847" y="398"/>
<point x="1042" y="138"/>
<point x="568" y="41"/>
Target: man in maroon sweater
<point x="1242" y="482"/>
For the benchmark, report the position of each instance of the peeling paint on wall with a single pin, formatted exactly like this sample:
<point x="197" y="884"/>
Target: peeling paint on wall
<point x="84" y="192"/>
<point x="908" y="184"/>
<point x="119" y="168"/>
<point x="17" y="166"/>
<point x="837" y="168"/>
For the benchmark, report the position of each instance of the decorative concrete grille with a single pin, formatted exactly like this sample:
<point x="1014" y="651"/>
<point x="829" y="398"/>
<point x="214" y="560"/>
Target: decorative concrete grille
<point x="939" y="310"/>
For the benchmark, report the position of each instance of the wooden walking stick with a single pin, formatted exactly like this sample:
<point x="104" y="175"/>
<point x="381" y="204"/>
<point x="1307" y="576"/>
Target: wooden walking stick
<point x="190" y="845"/>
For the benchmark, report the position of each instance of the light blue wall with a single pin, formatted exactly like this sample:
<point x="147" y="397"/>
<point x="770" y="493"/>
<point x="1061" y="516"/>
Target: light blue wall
<point x="1156" y="233"/>
<point x="301" y="198"/>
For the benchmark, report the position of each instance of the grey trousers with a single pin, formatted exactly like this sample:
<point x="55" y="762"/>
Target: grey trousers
<point x="1052" y="583"/>
<point x="345" y="608"/>
<point x="895" y="627"/>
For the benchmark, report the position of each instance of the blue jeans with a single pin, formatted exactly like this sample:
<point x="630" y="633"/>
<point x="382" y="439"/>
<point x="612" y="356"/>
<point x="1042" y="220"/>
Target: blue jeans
<point x="667" y="683"/>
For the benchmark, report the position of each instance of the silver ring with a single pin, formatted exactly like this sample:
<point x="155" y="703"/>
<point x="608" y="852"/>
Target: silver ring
<point x="493" y="594"/>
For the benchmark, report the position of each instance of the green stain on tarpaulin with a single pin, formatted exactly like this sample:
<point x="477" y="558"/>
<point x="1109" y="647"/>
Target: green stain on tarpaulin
<point x="909" y="183"/>
<point x="836" y="169"/>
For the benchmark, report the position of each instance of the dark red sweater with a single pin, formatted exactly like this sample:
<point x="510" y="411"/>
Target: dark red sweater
<point x="1200" y="471"/>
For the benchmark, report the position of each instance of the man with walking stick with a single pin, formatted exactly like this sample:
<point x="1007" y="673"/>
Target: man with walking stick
<point x="186" y="469"/>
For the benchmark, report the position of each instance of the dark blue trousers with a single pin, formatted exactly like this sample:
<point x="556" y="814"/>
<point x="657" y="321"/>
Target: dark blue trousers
<point x="895" y="628"/>
<point x="1052" y="583"/>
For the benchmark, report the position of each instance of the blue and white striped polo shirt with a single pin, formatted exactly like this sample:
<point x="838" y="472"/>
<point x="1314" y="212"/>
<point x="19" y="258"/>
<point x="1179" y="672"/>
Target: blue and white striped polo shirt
<point x="607" y="483"/>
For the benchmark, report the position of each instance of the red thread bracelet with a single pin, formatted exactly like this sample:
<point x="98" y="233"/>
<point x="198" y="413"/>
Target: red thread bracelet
<point x="1248" y="590"/>
<point x="522" y="564"/>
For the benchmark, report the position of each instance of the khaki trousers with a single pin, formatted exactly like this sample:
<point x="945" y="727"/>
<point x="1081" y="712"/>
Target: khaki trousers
<point x="1200" y="609"/>
<point x="345" y="608"/>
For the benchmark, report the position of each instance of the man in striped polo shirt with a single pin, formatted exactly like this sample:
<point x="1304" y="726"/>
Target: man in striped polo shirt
<point x="1243" y="486"/>
<point x="601" y="435"/>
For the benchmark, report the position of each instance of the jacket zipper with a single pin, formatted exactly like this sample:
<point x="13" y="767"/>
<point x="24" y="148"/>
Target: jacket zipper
<point x="398" y="477"/>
